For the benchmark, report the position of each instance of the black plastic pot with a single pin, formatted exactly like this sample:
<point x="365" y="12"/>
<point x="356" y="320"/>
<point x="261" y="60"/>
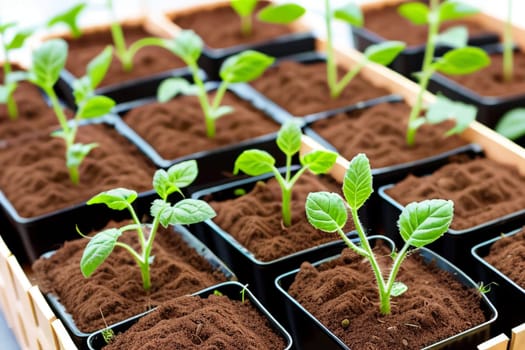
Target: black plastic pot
<point x="410" y="60"/>
<point x="257" y="273"/>
<point x="490" y="108"/>
<point x="310" y="334"/>
<point x="507" y="295"/>
<point x="312" y="58"/>
<point x="230" y="289"/>
<point x="47" y="232"/>
<point x="454" y="245"/>
<point x="80" y="338"/>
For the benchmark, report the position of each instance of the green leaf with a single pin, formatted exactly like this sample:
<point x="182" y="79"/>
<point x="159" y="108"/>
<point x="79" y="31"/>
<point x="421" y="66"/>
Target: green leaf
<point x="77" y="152"/>
<point x="243" y="7"/>
<point x="187" y="45"/>
<point x="19" y="39"/>
<point x="326" y="211"/>
<point x="351" y="14"/>
<point x="398" y="288"/>
<point x="117" y="199"/>
<point x="69" y="18"/>
<point x="445" y="109"/>
<point x="319" y="161"/>
<point x="453" y="37"/>
<point x="98" y="66"/>
<point x="245" y="66"/>
<point x="415" y="12"/>
<point x="464" y="60"/>
<point x="451" y="10"/>
<point x="190" y="211"/>
<point x="162" y="210"/>
<point x="162" y="184"/>
<point x="95" y="106"/>
<point x="421" y="223"/>
<point x="4" y="27"/>
<point x="183" y="174"/>
<point x="384" y="53"/>
<point x="48" y="61"/>
<point x="82" y="90"/>
<point x="221" y="111"/>
<point x="417" y="123"/>
<point x="172" y="87"/>
<point x="97" y="250"/>
<point x="289" y="138"/>
<point x="281" y="14"/>
<point x="254" y="162"/>
<point x="512" y="124"/>
<point x="357" y="184"/>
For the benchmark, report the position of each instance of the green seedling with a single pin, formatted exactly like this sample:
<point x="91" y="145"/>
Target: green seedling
<point x="243" y="293"/>
<point x="508" y="46"/>
<point x="184" y="212"/>
<point x="420" y="224"/>
<point x="273" y="13"/>
<point x="124" y="53"/>
<point x="11" y="79"/>
<point x="257" y="162"/>
<point x="383" y="53"/>
<point x="459" y="61"/>
<point x="107" y="333"/>
<point x="48" y="60"/>
<point x="485" y="288"/>
<point x="512" y="124"/>
<point x="70" y="19"/>
<point x="241" y="68"/>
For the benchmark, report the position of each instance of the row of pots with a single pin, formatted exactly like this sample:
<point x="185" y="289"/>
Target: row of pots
<point x="374" y="74"/>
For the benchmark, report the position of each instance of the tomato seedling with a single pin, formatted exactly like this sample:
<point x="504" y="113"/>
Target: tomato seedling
<point x="257" y="162"/>
<point x="420" y="224"/>
<point x="184" y="212"/>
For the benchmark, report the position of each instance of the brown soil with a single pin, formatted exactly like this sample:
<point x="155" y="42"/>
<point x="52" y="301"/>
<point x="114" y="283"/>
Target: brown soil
<point x="489" y="81"/>
<point x="435" y="306"/>
<point x="220" y="27"/>
<point x="302" y="89"/>
<point x="482" y="190"/>
<point x="380" y="132"/>
<point x="507" y="254"/>
<point x="255" y="219"/>
<point x="387" y="22"/>
<point x="33" y="112"/>
<point x="36" y="181"/>
<point x="147" y="61"/>
<point x="115" y="289"/>
<point x="177" y="128"/>
<point x="197" y="323"/>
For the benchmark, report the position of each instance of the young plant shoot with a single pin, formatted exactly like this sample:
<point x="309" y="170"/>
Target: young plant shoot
<point x="459" y="61"/>
<point x="241" y="68"/>
<point x="48" y="60"/>
<point x="184" y="212"/>
<point x="257" y="162"/>
<point x="10" y="83"/>
<point x="383" y="53"/>
<point x="70" y="19"/>
<point x="420" y="223"/>
<point x="273" y="13"/>
<point x="508" y="46"/>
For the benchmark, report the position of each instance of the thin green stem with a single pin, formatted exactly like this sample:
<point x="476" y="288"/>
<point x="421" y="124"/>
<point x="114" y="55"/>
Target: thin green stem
<point x="508" y="64"/>
<point x="12" y="109"/>
<point x="144" y="42"/>
<point x="371" y="257"/>
<point x="219" y="95"/>
<point x="138" y="225"/>
<point x="203" y="99"/>
<point x="340" y="86"/>
<point x="146" y="275"/>
<point x="426" y="70"/>
<point x="288" y="167"/>
<point x="59" y="112"/>
<point x="385" y="304"/>
<point x="246" y="25"/>
<point x="351" y="244"/>
<point x="120" y="46"/>
<point x="286" y="205"/>
<point x="331" y="69"/>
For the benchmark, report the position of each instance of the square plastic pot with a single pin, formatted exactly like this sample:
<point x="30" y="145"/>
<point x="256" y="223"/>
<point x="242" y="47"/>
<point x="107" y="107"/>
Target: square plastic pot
<point x="310" y="334"/>
<point x="301" y="39"/>
<point x="250" y="269"/>
<point x="490" y="108"/>
<point x="454" y="245"/>
<point x="81" y="338"/>
<point x="507" y="295"/>
<point x="410" y="60"/>
<point x="47" y="232"/>
<point x="230" y="289"/>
